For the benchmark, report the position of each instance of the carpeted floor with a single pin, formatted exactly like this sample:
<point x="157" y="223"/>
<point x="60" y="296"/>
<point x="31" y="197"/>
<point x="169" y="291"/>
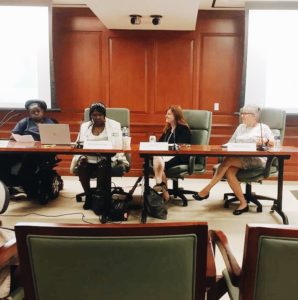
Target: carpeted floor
<point x="65" y="209"/>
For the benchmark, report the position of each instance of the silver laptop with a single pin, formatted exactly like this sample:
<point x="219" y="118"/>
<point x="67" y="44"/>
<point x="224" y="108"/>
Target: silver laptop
<point x="54" y="134"/>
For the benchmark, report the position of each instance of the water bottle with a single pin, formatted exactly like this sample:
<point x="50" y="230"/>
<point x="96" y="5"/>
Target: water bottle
<point x="125" y="132"/>
<point x="277" y="143"/>
<point x="125" y="138"/>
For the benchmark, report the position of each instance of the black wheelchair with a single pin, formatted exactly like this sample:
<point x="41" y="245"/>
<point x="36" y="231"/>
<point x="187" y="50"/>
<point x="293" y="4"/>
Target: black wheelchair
<point x="34" y="173"/>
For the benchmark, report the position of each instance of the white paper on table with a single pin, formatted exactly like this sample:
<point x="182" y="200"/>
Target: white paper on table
<point x="241" y="146"/>
<point x="4" y="143"/>
<point x="154" y="146"/>
<point x="23" y="138"/>
<point x="97" y="145"/>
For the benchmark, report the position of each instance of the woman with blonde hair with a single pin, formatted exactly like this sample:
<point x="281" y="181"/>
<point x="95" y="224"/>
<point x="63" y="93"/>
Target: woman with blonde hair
<point x="249" y="131"/>
<point x="176" y="131"/>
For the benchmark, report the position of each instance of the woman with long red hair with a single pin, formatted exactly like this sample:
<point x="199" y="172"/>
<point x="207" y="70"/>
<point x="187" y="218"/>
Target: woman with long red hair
<point x="176" y="131"/>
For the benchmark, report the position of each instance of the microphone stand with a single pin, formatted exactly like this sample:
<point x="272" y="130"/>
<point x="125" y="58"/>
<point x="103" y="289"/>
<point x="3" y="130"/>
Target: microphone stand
<point x="262" y="147"/>
<point x="79" y="144"/>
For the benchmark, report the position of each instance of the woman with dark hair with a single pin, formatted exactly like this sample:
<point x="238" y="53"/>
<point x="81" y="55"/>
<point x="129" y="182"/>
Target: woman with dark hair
<point x="99" y="128"/>
<point x="176" y="131"/>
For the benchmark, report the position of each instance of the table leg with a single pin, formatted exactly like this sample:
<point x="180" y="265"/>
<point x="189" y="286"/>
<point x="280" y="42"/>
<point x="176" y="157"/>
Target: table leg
<point x="146" y="188"/>
<point x="107" y="190"/>
<point x="277" y="205"/>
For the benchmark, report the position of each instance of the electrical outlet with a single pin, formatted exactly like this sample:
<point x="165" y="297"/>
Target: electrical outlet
<point x="216" y="106"/>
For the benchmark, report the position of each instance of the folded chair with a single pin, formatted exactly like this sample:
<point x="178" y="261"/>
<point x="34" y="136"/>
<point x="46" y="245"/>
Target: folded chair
<point x="269" y="267"/>
<point x="114" y="261"/>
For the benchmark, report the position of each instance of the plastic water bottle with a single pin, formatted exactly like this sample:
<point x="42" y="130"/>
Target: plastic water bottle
<point x="277" y="144"/>
<point x="125" y="138"/>
<point x="125" y="132"/>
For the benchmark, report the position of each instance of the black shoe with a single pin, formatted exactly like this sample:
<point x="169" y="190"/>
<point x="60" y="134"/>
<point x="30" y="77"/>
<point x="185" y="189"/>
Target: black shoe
<point x="88" y="202"/>
<point x="199" y="198"/>
<point x="238" y="212"/>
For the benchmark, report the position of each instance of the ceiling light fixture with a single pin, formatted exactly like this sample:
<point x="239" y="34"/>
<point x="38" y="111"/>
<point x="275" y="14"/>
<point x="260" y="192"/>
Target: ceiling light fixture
<point x="156" y="19"/>
<point x="135" y="19"/>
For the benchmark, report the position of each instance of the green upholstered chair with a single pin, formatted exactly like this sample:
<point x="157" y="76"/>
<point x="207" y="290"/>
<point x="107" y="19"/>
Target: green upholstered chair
<point x="121" y="115"/>
<point x="200" y="122"/>
<point x="113" y="261"/>
<point x="276" y="120"/>
<point x="270" y="263"/>
<point x="8" y="256"/>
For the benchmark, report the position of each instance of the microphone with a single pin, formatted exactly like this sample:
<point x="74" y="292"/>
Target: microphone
<point x="262" y="147"/>
<point x="176" y="146"/>
<point x="79" y="144"/>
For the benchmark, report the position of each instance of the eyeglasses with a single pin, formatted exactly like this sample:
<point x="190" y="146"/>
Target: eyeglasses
<point x="246" y="114"/>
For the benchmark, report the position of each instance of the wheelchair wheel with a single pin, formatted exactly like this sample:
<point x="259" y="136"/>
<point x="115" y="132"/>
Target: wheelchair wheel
<point x="4" y="197"/>
<point x="55" y="186"/>
<point x="49" y="187"/>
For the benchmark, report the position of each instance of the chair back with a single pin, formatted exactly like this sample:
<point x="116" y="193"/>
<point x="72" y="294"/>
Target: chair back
<point x="270" y="263"/>
<point x="200" y="122"/>
<point x="276" y="119"/>
<point x="113" y="261"/>
<point x="121" y="115"/>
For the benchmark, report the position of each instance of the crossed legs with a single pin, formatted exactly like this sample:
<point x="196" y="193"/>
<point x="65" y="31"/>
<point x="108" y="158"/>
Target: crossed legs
<point x="228" y="168"/>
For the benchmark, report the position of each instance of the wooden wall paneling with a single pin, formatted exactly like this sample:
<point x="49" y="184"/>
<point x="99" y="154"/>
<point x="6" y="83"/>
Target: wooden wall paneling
<point x="173" y="73"/>
<point x="128" y="73"/>
<point x="77" y="69"/>
<point x="147" y="71"/>
<point x="220" y="72"/>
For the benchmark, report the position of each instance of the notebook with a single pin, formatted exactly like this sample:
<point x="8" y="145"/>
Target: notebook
<point x="54" y="134"/>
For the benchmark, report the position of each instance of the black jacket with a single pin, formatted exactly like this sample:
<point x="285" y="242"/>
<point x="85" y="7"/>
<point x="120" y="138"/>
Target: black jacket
<point x="181" y="135"/>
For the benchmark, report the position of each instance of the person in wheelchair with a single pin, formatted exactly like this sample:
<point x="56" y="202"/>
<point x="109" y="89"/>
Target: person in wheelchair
<point x="32" y="172"/>
<point x="98" y="128"/>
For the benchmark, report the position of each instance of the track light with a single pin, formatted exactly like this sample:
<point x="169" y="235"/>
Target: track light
<point x="156" y="19"/>
<point x="135" y="19"/>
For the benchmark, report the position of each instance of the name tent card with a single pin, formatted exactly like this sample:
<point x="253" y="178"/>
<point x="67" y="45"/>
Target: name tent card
<point x="241" y="146"/>
<point x="97" y="145"/>
<point x="154" y="146"/>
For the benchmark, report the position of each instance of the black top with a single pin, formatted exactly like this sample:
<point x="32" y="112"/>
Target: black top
<point x="181" y="135"/>
<point x="28" y="126"/>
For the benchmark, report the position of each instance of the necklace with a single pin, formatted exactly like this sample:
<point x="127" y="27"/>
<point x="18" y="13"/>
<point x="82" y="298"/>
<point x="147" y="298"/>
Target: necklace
<point x="97" y="130"/>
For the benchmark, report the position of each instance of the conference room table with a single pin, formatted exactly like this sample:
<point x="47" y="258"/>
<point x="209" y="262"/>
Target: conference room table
<point x="217" y="151"/>
<point x="204" y="150"/>
<point x="38" y="148"/>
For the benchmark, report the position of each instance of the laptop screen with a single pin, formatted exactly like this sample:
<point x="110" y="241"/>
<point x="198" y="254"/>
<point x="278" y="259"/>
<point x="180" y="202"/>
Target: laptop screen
<point x="54" y="134"/>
